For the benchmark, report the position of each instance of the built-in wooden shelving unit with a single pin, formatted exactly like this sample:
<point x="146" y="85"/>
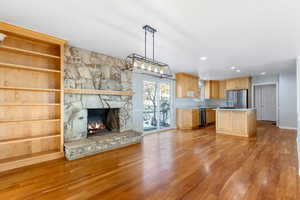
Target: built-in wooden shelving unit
<point x="31" y="97"/>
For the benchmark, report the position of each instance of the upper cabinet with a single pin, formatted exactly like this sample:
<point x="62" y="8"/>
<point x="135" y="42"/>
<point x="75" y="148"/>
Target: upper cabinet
<point x="238" y="83"/>
<point x="222" y="89"/>
<point x="211" y="89"/>
<point x="187" y="86"/>
<point x="215" y="89"/>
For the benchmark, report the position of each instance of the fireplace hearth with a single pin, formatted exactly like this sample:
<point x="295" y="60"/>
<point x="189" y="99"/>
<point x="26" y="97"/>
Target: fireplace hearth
<point x="102" y="121"/>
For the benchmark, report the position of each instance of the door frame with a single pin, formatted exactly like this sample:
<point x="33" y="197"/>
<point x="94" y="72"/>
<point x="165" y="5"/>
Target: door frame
<point x="277" y="97"/>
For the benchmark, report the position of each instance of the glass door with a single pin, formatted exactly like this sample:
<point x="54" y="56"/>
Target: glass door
<point x="150" y="104"/>
<point x="157" y="105"/>
<point x="164" y="105"/>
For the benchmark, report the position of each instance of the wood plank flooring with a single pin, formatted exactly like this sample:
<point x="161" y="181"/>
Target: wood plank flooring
<point x="170" y="165"/>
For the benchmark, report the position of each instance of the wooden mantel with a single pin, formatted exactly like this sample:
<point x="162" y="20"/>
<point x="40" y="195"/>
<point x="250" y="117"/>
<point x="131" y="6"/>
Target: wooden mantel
<point x="105" y="92"/>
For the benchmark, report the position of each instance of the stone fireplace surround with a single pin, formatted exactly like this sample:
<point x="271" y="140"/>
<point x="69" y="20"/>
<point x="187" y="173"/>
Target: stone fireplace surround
<point x="93" y="71"/>
<point x="78" y="145"/>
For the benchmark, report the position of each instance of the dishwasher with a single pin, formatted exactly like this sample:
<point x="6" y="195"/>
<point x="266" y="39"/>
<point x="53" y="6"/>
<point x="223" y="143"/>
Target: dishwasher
<point x="202" y="117"/>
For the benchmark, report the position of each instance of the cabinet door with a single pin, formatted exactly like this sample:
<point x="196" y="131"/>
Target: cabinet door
<point x="194" y="81"/>
<point x="207" y="115"/>
<point x="184" y="118"/>
<point x="210" y="116"/>
<point x="244" y="83"/>
<point x="211" y="89"/>
<point x="230" y="84"/>
<point x="239" y="122"/>
<point x="238" y="83"/>
<point x="213" y="118"/>
<point x="224" y="121"/>
<point x="222" y="90"/>
<point x="195" y="118"/>
<point x="214" y="89"/>
<point x="187" y="86"/>
<point x="207" y="88"/>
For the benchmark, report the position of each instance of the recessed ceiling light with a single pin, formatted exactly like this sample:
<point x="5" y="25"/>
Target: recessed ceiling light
<point x="238" y="70"/>
<point x="263" y="73"/>
<point x="203" y="58"/>
<point x="233" y="67"/>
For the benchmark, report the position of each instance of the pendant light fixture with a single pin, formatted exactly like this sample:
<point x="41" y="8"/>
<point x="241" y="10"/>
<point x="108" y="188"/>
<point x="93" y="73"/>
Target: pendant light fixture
<point x="138" y="62"/>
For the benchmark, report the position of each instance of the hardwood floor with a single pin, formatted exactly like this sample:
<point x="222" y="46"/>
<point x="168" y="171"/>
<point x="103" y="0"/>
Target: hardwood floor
<point x="171" y="165"/>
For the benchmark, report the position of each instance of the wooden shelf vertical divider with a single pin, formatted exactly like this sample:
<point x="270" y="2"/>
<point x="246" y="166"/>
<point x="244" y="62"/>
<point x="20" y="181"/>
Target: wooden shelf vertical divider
<point x="31" y="96"/>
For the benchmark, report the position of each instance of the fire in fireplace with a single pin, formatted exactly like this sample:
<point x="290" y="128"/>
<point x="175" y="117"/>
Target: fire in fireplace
<point x="102" y="121"/>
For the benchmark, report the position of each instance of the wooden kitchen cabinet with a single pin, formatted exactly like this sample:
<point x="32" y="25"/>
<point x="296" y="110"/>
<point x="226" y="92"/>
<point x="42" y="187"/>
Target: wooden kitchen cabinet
<point x="222" y="89"/>
<point x="236" y="122"/>
<point x="217" y="89"/>
<point x="211" y="89"/>
<point x="187" y="86"/>
<point x="210" y="115"/>
<point x="238" y="83"/>
<point x="187" y="118"/>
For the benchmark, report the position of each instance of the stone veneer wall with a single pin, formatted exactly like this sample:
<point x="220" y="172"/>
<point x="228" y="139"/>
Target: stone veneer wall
<point x="90" y="70"/>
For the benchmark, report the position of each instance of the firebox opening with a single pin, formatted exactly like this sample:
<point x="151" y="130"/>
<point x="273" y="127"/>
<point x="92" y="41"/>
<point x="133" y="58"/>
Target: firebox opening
<point x="102" y="121"/>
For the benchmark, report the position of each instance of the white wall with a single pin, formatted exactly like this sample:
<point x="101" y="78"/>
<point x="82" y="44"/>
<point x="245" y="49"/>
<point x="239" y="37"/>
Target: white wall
<point x="298" y="109"/>
<point x="272" y="78"/>
<point x="288" y="99"/>
<point x="137" y="102"/>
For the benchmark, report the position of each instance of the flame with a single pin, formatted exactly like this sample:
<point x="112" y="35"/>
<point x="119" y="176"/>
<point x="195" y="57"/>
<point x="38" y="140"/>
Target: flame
<point x="95" y="127"/>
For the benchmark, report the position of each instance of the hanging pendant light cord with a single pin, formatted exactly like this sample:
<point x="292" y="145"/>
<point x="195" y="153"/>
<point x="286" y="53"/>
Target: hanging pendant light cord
<point x="145" y="43"/>
<point x="153" y="45"/>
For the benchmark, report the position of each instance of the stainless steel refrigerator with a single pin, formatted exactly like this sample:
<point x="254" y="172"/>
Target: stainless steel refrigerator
<point x="237" y="98"/>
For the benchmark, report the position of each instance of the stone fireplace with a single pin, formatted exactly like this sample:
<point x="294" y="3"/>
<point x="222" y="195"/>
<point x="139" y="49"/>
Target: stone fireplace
<point x="95" y="123"/>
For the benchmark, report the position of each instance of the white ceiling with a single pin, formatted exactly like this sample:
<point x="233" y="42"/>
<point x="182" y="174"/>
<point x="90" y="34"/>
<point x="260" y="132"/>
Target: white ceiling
<point x="254" y="35"/>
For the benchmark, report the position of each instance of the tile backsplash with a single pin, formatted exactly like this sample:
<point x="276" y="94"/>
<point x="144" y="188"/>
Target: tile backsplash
<point x="186" y="102"/>
<point x="216" y="102"/>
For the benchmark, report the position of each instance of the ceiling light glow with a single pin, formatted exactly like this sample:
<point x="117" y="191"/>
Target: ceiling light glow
<point x="203" y="58"/>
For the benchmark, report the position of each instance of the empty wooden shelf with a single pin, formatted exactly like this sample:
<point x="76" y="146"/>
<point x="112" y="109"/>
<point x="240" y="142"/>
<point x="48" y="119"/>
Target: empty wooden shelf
<point x="31" y="97"/>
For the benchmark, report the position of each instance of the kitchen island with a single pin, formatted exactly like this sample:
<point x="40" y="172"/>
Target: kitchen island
<point x="236" y="122"/>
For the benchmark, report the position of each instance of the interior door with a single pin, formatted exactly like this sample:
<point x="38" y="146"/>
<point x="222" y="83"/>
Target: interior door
<point x="258" y="102"/>
<point x="265" y="102"/>
<point x="269" y="102"/>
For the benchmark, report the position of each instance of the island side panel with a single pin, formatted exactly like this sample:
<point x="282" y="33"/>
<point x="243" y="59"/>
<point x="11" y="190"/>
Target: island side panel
<point x="252" y="123"/>
<point x="236" y="122"/>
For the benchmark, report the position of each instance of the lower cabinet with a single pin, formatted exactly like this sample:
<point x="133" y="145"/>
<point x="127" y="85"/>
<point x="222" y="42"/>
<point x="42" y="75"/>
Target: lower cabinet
<point x="187" y="118"/>
<point x="210" y="115"/>
<point x="237" y="123"/>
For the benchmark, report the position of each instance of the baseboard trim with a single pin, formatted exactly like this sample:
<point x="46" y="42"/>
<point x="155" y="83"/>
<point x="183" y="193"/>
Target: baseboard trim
<point x="288" y="127"/>
<point x="158" y="131"/>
